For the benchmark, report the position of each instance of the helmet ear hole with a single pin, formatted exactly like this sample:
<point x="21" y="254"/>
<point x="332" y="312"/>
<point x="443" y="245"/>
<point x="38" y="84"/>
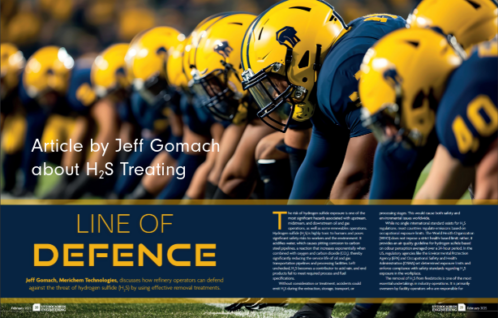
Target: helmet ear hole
<point x="419" y="100"/>
<point x="474" y="4"/>
<point x="414" y="43"/>
<point x="305" y="61"/>
<point x="305" y="79"/>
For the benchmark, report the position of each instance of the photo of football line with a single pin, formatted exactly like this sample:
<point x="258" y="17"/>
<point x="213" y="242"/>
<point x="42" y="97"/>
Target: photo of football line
<point x="188" y="100"/>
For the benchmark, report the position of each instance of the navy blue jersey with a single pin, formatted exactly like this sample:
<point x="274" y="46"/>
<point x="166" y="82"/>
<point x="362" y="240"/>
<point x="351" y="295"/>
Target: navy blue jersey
<point x="125" y="112"/>
<point x="337" y="86"/>
<point x="195" y="116"/>
<point x="467" y="117"/>
<point x="174" y="103"/>
<point x="28" y="103"/>
<point x="10" y="100"/>
<point x="150" y="117"/>
<point x="80" y="95"/>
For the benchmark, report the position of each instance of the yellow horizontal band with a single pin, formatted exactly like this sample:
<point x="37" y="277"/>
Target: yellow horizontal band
<point x="245" y="202"/>
<point x="231" y="300"/>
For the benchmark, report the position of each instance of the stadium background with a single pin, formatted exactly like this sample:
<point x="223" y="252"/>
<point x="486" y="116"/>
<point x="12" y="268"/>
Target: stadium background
<point x="83" y="26"/>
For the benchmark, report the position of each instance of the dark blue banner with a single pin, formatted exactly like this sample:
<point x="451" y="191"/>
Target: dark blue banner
<point x="249" y="251"/>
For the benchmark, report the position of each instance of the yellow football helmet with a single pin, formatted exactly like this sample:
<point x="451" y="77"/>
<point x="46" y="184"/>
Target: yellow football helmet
<point x="109" y="71"/>
<point x="12" y="63"/>
<point x="48" y="69"/>
<point x="403" y="79"/>
<point x="288" y="41"/>
<point x="174" y="67"/>
<point x="192" y="42"/>
<point x="470" y="21"/>
<point x="146" y="61"/>
<point x="216" y="67"/>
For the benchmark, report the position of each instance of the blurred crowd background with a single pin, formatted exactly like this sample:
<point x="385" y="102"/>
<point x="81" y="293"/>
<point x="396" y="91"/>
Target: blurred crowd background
<point x="83" y="26"/>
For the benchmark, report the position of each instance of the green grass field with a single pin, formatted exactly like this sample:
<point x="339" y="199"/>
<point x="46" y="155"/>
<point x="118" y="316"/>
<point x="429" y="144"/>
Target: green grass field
<point x="193" y="311"/>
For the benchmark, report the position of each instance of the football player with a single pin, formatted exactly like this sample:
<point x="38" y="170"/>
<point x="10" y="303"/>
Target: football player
<point x="198" y="127"/>
<point x="109" y="83"/>
<point x="216" y="70"/>
<point x="467" y="126"/>
<point x="302" y="61"/>
<point x="151" y="186"/>
<point x="46" y="97"/>
<point x="401" y="165"/>
<point x="398" y="163"/>
<point x="452" y="91"/>
<point x="152" y="104"/>
<point x="216" y="83"/>
<point x="12" y="117"/>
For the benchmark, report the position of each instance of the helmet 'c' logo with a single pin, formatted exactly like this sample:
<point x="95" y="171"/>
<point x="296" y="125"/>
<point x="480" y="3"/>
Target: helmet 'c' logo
<point x="223" y="48"/>
<point x="287" y="36"/>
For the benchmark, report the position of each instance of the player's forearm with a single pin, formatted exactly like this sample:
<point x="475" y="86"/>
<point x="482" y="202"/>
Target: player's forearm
<point x="190" y="137"/>
<point x="176" y="123"/>
<point x="448" y="178"/>
<point x="99" y="157"/>
<point x="197" y="186"/>
<point x="487" y="175"/>
<point x="354" y="190"/>
<point x="154" y="184"/>
<point x="228" y="144"/>
<point x="126" y="132"/>
<point x="105" y="116"/>
<point x="298" y="139"/>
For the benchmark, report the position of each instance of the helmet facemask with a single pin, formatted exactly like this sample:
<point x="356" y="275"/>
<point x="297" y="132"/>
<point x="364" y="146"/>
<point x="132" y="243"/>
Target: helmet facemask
<point x="153" y="90"/>
<point x="212" y="62"/>
<point x="280" y="103"/>
<point x="217" y="92"/>
<point x="408" y="115"/>
<point x="146" y="62"/>
<point x="386" y="123"/>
